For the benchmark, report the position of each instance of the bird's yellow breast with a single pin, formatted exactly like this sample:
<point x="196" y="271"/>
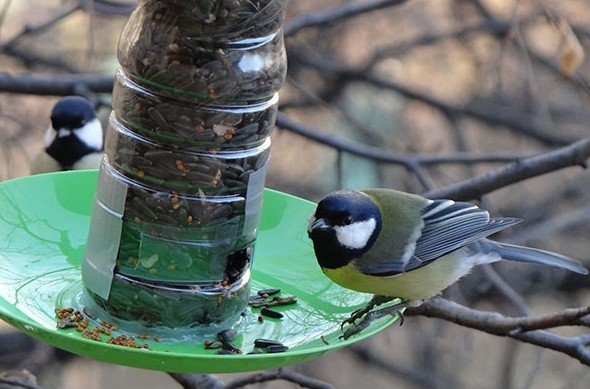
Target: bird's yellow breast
<point x="418" y="284"/>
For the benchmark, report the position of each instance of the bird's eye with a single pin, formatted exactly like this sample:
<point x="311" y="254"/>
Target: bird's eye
<point x="347" y="220"/>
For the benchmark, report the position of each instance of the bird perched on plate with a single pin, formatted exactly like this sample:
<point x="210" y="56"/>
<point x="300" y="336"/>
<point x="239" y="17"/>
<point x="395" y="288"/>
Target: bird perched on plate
<point x="399" y="245"/>
<point x="74" y="140"/>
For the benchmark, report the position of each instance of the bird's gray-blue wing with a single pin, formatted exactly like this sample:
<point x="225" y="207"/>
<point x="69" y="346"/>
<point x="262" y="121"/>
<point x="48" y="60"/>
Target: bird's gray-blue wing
<point x="448" y="226"/>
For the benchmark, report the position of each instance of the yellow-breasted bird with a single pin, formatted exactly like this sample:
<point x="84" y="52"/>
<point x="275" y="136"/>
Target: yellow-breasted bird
<point x="399" y="245"/>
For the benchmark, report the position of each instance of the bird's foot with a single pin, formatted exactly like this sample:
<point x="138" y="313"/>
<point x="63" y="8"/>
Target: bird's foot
<point x="368" y="317"/>
<point x="359" y="313"/>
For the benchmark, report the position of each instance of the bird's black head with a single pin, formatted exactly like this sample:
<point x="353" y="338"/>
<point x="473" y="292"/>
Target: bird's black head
<point x="71" y="112"/>
<point x="344" y="226"/>
<point x="74" y="133"/>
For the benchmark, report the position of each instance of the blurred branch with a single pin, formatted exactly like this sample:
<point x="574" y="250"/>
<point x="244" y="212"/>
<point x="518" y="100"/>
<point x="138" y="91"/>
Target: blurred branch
<point x="496" y="27"/>
<point x="491" y="27"/>
<point x="336" y="14"/>
<point x="40" y="27"/>
<point x="107" y="7"/>
<point x="196" y="381"/>
<point x="419" y="377"/>
<point x="503" y="115"/>
<point x="512" y="296"/>
<point x="280" y="374"/>
<point x="526" y="329"/>
<point x="481" y="8"/>
<point x="18" y="379"/>
<point x="575" y="154"/>
<point x="55" y="84"/>
<point x="29" y="56"/>
<point x="4" y="11"/>
<point x="378" y="154"/>
<point x="580" y="216"/>
<point x="490" y="115"/>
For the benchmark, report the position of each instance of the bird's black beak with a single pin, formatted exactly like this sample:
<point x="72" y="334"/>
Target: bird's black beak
<point x="317" y="225"/>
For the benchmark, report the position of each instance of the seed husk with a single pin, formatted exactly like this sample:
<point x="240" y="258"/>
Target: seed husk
<point x="271" y="313"/>
<point x="264" y="343"/>
<point x="277" y="348"/>
<point x="268" y="292"/>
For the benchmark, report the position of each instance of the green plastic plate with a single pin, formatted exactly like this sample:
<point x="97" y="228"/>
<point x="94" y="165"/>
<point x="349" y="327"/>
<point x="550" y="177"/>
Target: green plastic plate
<point x="44" y="223"/>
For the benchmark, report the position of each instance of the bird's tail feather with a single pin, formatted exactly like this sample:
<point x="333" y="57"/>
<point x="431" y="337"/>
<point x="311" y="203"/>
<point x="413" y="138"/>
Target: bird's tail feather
<point x="528" y="254"/>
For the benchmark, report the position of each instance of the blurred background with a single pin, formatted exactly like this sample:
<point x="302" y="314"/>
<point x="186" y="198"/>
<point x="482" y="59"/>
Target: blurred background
<point x="413" y="95"/>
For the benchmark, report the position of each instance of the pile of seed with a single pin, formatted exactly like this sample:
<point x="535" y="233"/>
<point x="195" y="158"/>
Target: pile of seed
<point x="69" y="317"/>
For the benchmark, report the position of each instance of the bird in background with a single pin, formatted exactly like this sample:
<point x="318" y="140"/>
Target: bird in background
<point x="74" y="140"/>
<point x="400" y="245"/>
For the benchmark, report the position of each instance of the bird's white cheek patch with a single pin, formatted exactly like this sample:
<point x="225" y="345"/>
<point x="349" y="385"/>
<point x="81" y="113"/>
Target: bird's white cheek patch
<point x="355" y="235"/>
<point x="91" y="134"/>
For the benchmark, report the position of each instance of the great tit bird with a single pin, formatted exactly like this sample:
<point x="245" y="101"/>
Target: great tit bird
<point x="396" y="244"/>
<point x="74" y="140"/>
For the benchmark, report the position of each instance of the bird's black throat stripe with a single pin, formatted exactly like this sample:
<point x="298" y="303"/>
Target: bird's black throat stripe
<point x="329" y="252"/>
<point x="68" y="150"/>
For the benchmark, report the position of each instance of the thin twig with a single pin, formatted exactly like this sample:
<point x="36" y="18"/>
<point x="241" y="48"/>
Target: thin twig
<point x="280" y="374"/>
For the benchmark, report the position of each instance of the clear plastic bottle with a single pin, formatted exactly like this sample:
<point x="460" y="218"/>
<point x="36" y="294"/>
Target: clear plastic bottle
<point x="180" y="188"/>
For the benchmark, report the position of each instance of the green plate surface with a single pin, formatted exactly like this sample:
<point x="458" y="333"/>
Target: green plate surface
<point x="44" y="223"/>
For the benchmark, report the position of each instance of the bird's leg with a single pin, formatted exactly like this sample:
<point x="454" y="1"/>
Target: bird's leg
<point x="375" y="301"/>
<point x="395" y="309"/>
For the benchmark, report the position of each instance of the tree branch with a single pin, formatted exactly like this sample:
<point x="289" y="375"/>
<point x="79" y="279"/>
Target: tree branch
<point x="378" y="154"/>
<point x="526" y="329"/>
<point x="575" y="154"/>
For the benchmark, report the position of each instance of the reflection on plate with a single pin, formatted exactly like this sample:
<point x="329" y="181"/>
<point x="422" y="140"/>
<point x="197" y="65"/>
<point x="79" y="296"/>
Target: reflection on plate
<point x="44" y="221"/>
